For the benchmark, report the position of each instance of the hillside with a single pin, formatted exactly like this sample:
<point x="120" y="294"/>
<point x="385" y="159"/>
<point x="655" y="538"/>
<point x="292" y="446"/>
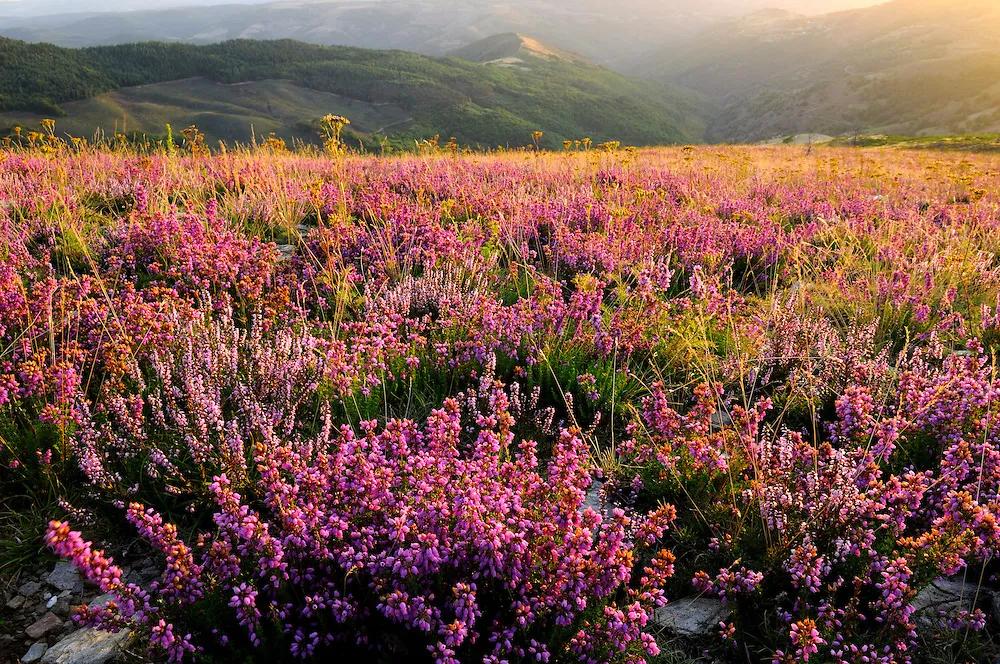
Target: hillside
<point x="958" y="143"/>
<point x="477" y="103"/>
<point x="904" y="67"/>
<point x="234" y="112"/>
<point x="608" y="33"/>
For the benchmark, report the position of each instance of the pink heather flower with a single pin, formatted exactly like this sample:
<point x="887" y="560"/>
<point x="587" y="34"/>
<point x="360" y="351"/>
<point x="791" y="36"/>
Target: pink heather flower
<point x="805" y="635"/>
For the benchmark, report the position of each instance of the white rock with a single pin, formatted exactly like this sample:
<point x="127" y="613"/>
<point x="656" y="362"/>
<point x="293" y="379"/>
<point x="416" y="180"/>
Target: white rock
<point x="87" y="646"/>
<point x="52" y="602"/>
<point x="692" y="616"/>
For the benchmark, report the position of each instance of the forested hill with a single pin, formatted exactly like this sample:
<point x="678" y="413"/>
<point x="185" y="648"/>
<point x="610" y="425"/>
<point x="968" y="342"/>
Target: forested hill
<point x="483" y="104"/>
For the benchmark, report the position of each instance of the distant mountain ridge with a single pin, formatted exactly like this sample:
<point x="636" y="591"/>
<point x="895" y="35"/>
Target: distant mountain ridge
<point x="709" y="70"/>
<point x="566" y="98"/>
<point x="607" y="33"/>
<point x="903" y="67"/>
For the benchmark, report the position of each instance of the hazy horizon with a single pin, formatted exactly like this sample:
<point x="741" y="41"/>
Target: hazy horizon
<point x="38" y="8"/>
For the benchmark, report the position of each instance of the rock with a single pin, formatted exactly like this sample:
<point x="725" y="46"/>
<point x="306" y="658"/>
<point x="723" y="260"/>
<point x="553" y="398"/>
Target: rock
<point x="692" y="616"/>
<point x="16" y="602"/>
<point x="43" y="625"/>
<point x="101" y="601"/>
<point x="944" y="596"/>
<point x="64" y="576"/>
<point x="87" y="646"/>
<point x="286" y="251"/>
<point x="150" y="571"/>
<point x="34" y="653"/>
<point x="721" y="419"/>
<point x="51" y="602"/>
<point x="593" y="497"/>
<point x="133" y="576"/>
<point x="61" y="608"/>
<point x="30" y="588"/>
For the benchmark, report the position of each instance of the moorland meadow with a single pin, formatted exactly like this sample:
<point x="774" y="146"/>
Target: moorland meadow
<point x="505" y="407"/>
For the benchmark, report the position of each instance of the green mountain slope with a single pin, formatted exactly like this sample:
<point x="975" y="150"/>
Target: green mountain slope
<point x="229" y="112"/>
<point x="478" y="103"/>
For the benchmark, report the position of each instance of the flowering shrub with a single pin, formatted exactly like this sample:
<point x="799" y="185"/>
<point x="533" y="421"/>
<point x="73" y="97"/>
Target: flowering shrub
<point x="502" y="408"/>
<point x="453" y="534"/>
<point x="837" y="536"/>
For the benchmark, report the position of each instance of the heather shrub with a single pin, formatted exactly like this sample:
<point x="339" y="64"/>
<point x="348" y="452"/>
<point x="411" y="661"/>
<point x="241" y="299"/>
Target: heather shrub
<point x="832" y="538"/>
<point x="447" y="540"/>
<point x="501" y="408"/>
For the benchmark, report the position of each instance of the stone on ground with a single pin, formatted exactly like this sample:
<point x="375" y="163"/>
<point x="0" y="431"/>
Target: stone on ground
<point x="34" y="653"/>
<point x="101" y="601"/>
<point x="43" y="626"/>
<point x="947" y="596"/>
<point x="692" y="616"/>
<point x="87" y="646"/>
<point x="30" y="588"/>
<point x="593" y="498"/>
<point x="64" y="576"/>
